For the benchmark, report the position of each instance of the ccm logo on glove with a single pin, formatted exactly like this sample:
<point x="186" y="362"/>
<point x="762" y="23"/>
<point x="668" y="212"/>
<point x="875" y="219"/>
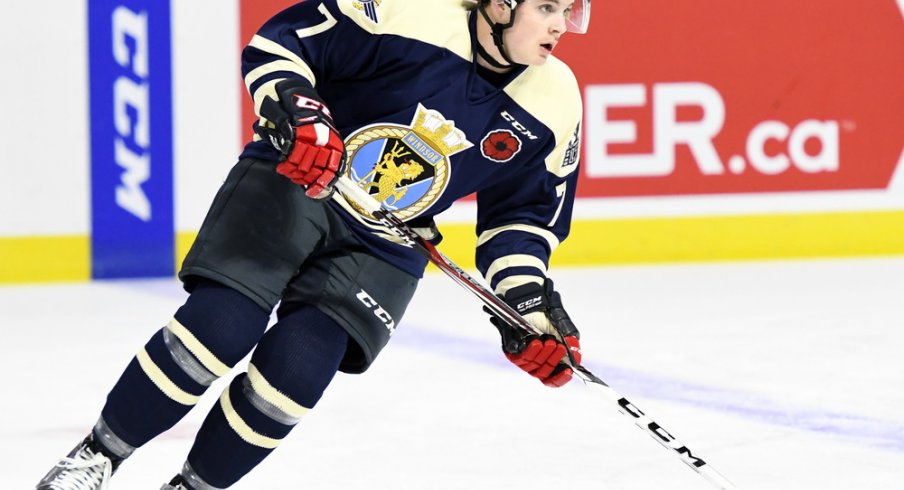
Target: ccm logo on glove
<point x="529" y="304"/>
<point x="300" y="127"/>
<point x="544" y="355"/>
<point x="303" y="102"/>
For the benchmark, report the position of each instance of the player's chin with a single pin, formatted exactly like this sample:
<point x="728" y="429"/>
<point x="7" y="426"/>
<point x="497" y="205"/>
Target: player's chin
<point x="537" y="60"/>
<point x="543" y="54"/>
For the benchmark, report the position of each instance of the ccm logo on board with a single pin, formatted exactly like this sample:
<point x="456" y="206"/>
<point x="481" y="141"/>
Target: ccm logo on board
<point x="796" y="143"/>
<point x="131" y="110"/>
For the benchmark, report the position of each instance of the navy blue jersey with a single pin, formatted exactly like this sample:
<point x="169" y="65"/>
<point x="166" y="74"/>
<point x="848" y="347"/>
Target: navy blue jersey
<point x="422" y="128"/>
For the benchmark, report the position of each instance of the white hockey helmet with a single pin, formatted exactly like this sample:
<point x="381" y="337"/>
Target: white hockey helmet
<point x="576" y="21"/>
<point x="578" y="17"/>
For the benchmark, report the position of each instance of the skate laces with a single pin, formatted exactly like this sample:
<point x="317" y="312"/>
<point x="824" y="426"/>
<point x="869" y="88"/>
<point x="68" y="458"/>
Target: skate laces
<point x="85" y="471"/>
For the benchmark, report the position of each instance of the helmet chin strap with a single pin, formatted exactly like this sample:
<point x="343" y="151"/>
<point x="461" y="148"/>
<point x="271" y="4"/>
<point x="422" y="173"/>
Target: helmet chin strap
<point x="496" y="29"/>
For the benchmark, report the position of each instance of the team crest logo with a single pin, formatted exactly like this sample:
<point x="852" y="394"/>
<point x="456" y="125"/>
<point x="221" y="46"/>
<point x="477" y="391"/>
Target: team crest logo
<point x="405" y="168"/>
<point x="369" y="7"/>
<point x="500" y="145"/>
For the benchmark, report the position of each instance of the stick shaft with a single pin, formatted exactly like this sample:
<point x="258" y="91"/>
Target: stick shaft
<point x="501" y="309"/>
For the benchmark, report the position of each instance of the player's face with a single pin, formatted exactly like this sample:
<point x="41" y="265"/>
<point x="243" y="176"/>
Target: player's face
<point x="539" y="24"/>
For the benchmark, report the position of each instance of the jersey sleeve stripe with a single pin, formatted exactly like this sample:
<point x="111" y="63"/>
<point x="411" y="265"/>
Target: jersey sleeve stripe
<point x="547" y="235"/>
<point x="276" y="49"/>
<point x="519" y="260"/>
<point x="273" y="67"/>
<point x="515" y="281"/>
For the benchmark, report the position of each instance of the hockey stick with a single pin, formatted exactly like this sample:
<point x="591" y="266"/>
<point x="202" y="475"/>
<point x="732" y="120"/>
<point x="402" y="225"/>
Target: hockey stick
<point x="501" y="309"/>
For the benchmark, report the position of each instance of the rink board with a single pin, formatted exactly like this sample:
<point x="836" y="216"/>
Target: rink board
<point x="593" y="242"/>
<point x="738" y="142"/>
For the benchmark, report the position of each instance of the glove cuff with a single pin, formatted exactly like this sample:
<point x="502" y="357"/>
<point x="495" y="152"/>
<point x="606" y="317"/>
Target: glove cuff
<point x="532" y="297"/>
<point x="527" y="298"/>
<point x="301" y="100"/>
<point x="294" y="83"/>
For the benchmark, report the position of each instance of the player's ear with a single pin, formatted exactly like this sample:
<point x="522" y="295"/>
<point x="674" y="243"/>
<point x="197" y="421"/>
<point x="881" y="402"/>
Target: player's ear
<point x="498" y="6"/>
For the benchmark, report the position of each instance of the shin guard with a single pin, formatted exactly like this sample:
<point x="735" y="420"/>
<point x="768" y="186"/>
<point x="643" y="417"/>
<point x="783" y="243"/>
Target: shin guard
<point x="289" y="371"/>
<point x="215" y="329"/>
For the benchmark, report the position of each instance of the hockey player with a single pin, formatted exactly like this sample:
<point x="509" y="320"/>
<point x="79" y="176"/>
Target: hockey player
<point x="419" y="103"/>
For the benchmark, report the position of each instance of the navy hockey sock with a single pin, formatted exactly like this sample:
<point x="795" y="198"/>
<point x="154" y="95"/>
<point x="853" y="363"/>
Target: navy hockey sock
<point x="215" y="329"/>
<point x="290" y="369"/>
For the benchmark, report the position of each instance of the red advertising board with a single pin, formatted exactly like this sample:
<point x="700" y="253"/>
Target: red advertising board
<point x="712" y="96"/>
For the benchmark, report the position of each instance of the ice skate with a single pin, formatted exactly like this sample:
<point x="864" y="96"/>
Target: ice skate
<point x="187" y="479"/>
<point x="85" y="468"/>
<point x="177" y="483"/>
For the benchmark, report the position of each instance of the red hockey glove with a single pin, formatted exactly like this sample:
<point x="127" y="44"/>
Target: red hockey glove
<point x="313" y="154"/>
<point x="541" y="355"/>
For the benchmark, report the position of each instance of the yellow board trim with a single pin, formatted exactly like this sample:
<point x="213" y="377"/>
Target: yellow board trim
<point x="184" y="241"/>
<point x="711" y="238"/>
<point x="45" y="259"/>
<point x="592" y="242"/>
<point x="724" y="238"/>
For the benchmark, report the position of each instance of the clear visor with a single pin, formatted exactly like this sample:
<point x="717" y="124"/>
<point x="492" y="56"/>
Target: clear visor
<point x="579" y="18"/>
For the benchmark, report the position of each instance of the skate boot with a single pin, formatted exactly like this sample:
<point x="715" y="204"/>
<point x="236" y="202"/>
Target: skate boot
<point x="85" y="468"/>
<point x="187" y="479"/>
<point x="177" y="483"/>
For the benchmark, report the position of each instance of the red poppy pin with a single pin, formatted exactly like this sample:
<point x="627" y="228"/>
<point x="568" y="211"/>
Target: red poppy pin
<point x="500" y="145"/>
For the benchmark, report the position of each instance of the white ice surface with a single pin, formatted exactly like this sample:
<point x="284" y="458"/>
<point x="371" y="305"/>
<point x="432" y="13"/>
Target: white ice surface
<point x="781" y="375"/>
